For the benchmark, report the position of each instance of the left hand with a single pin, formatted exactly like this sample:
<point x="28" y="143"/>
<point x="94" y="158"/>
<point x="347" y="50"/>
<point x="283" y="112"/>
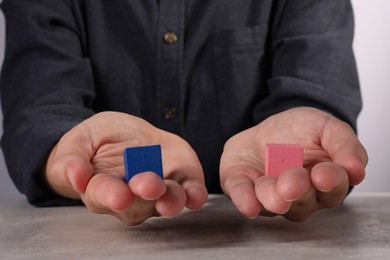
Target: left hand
<point x="333" y="159"/>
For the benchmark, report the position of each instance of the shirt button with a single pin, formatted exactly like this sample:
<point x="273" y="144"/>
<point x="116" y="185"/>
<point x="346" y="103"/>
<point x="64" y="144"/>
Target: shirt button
<point x="170" y="112"/>
<point x="170" y="37"/>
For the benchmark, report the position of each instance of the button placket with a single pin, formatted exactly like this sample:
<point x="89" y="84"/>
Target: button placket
<point x="170" y="112"/>
<point x="170" y="65"/>
<point x="170" y="38"/>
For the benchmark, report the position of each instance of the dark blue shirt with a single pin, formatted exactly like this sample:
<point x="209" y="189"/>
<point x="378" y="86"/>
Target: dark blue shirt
<point x="204" y="70"/>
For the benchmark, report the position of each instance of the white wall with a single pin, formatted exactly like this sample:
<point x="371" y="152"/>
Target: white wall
<point x="372" y="48"/>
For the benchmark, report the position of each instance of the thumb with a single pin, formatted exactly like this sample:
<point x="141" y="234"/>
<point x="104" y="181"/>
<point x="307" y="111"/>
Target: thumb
<point x="78" y="172"/>
<point x="68" y="169"/>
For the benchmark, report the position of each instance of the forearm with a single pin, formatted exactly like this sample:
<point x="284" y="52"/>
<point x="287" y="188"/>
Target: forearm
<point x="46" y="89"/>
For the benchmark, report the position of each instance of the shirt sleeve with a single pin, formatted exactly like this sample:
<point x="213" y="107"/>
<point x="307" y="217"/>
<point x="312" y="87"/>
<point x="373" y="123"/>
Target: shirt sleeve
<point x="312" y="60"/>
<point x="46" y="89"/>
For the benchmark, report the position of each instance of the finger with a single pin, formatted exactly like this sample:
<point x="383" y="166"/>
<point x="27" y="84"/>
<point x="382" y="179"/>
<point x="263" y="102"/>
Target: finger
<point x="241" y="191"/>
<point x="68" y="174"/>
<point x="173" y="200"/>
<point x="267" y="194"/>
<point x="344" y="148"/>
<point x="331" y="180"/>
<point x="181" y="164"/>
<point x="304" y="207"/>
<point x="140" y="211"/>
<point x="106" y="193"/>
<point x="293" y="183"/>
<point x="148" y="186"/>
<point x="196" y="194"/>
<point x="192" y="181"/>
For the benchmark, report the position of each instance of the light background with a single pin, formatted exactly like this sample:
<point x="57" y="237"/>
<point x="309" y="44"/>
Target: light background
<point x="372" y="49"/>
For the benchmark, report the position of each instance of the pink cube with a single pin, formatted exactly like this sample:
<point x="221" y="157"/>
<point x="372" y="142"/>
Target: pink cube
<point x="280" y="157"/>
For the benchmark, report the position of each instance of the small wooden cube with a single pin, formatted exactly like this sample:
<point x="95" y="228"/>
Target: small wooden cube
<point x="280" y="157"/>
<point x="143" y="159"/>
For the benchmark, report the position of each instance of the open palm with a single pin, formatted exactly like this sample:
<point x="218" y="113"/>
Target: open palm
<point x="333" y="160"/>
<point x="87" y="163"/>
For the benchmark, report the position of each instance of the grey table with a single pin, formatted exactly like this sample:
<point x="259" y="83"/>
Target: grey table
<point x="359" y="229"/>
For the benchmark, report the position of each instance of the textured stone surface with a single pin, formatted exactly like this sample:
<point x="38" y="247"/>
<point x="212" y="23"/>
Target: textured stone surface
<point x="359" y="229"/>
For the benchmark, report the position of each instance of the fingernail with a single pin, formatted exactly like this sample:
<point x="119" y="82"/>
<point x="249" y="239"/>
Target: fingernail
<point x="324" y="190"/>
<point x="290" y="200"/>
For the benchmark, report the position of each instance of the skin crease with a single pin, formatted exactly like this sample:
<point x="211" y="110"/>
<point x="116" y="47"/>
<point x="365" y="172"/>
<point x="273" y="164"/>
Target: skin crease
<point x="87" y="164"/>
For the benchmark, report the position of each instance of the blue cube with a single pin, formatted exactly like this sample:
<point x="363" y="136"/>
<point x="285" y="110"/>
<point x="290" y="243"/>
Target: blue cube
<point x="143" y="159"/>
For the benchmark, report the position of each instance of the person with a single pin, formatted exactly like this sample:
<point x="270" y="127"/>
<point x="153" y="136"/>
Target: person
<point x="210" y="81"/>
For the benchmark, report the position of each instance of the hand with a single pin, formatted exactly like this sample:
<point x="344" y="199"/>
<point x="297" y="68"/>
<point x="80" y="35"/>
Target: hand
<point x="87" y="163"/>
<point x="333" y="159"/>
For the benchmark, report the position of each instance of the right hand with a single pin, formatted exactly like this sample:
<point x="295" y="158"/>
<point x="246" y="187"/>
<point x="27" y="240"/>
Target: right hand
<point x="87" y="164"/>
